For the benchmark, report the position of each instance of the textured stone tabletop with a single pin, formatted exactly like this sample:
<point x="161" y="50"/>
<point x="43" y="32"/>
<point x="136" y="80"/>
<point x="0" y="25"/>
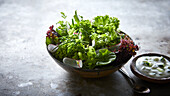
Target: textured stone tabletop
<point x="26" y="69"/>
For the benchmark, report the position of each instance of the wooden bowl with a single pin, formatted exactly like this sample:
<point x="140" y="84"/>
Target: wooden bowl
<point x="136" y="72"/>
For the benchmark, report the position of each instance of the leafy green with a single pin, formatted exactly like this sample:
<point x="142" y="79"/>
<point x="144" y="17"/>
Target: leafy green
<point x="76" y="39"/>
<point x="105" y="57"/>
<point x="90" y="61"/>
<point x="106" y="23"/>
<point x="76" y="18"/>
<point x="62" y="28"/>
<point x="48" y="41"/>
<point x="70" y="48"/>
<point x="86" y="30"/>
<point x="63" y="15"/>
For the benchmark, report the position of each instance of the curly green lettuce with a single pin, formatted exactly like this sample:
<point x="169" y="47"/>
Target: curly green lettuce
<point x="105" y="57"/>
<point x="80" y="39"/>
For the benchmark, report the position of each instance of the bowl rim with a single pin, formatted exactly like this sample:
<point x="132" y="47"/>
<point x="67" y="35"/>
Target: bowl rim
<point x="137" y="73"/>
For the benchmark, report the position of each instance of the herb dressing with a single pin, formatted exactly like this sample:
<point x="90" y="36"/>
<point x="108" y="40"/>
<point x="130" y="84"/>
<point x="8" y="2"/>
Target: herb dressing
<point x="154" y="66"/>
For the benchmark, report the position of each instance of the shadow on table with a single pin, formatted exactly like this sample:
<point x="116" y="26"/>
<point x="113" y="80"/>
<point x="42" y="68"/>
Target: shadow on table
<point x="157" y="89"/>
<point x="112" y="85"/>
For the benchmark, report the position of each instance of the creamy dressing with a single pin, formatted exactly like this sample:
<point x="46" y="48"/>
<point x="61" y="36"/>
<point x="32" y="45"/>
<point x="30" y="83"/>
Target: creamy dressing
<point x="154" y="66"/>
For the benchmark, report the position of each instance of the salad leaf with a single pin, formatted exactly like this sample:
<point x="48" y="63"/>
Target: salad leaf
<point x="90" y="58"/>
<point x="62" y="28"/>
<point x="63" y="15"/>
<point x="86" y="30"/>
<point x="76" y="17"/>
<point x="70" y="49"/>
<point x="104" y="57"/>
<point x="105" y="23"/>
<point x="48" y="41"/>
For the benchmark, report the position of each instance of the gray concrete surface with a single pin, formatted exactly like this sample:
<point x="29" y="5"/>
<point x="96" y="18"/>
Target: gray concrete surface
<point x="26" y="69"/>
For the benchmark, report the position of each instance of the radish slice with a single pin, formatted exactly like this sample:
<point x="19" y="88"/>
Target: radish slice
<point x="52" y="48"/>
<point x="73" y="62"/>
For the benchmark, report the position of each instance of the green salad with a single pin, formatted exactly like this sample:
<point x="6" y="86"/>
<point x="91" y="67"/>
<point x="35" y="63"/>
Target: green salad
<point x="93" y="42"/>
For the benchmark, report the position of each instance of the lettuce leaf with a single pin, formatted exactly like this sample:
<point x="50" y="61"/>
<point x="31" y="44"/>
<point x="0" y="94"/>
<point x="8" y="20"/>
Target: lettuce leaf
<point x="104" y="57"/>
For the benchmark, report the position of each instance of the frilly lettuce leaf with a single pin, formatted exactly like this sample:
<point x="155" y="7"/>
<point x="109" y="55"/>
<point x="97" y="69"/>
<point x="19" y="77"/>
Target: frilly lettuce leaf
<point x="104" y="57"/>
